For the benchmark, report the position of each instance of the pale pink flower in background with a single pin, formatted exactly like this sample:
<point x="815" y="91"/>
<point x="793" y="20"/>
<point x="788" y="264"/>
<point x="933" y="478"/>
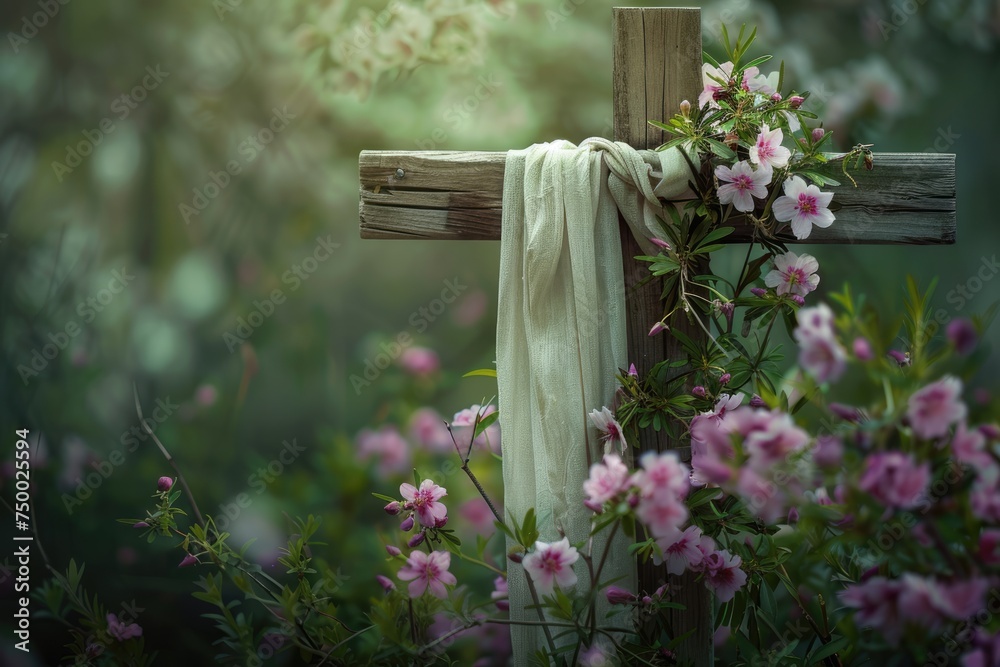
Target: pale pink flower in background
<point x="969" y="446"/>
<point x="462" y="424"/>
<point x="712" y="453"/>
<point x="803" y="205"/>
<point x="499" y="594"/>
<point x="662" y="514"/>
<point x="551" y="565"/>
<point x="937" y="406"/>
<point x="122" y="631"/>
<point x="742" y="184"/>
<point x="419" y="361"/>
<point x="895" y="479"/>
<point x="477" y="515"/>
<point x="989" y="546"/>
<point x="427" y="429"/>
<point x="596" y="656"/>
<point x="663" y="475"/>
<point x="725" y="403"/>
<point x="829" y="451"/>
<point x="680" y="549"/>
<point x="761" y="496"/>
<point x="206" y="395"/>
<point x="611" y="431"/>
<point x="428" y="572"/>
<point x="723" y="574"/>
<point x="607" y="479"/>
<point x="985" y="494"/>
<point x="878" y="603"/>
<point x="985" y="650"/>
<point x="768" y="151"/>
<point x="772" y="437"/>
<point x="470" y="308"/>
<point x="963" y="335"/>
<point x="820" y="353"/>
<point x="795" y="274"/>
<point x="424" y="501"/>
<point x="388" y="447"/>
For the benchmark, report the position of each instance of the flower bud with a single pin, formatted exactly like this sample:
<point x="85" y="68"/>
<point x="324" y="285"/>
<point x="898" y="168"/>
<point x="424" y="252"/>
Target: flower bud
<point x="646" y="601"/>
<point x="963" y="335"/>
<point x="686" y="109"/>
<point x="699" y="391"/>
<point x="793" y="516"/>
<point x="757" y="402"/>
<point x="659" y="327"/>
<point x="795" y="101"/>
<point x="618" y="595"/>
<point x="659" y="243"/>
<point x="393" y="508"/>
<point x="188" y="561"/>
<point x="798" y="299"/>
<point x="990" y="431"/>
<point x="634" y="500"/>
<point x="869" y="573"/>
<point x="385" y="583"/>
<point x="758" y="292"/>
<point x="776" y="97"/>
<point x="863" y="349"/>
<point x="846" y="412"/>
<point x="593" y="506"/>
<point x="417" y="540"/>
<point x="632" y="371"/>
<point x="516" y="556"/>
<point x="725" y="378"/>
<point x="140" y="524"/>
<point x="901" y="358"/>
<point x="818" y="133"/>
<point x="392" y="551"/>
<point x="503" y="605"/>
<point x="164" y="484"/>
<point x="407" y="524"/>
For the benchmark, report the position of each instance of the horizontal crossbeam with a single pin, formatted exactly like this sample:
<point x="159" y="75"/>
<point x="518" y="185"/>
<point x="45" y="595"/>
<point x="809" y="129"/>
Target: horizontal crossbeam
<point x="909" y="198"/>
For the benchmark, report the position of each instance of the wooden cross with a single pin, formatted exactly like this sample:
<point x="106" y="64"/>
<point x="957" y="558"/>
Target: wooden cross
<point x="451" y="195"/>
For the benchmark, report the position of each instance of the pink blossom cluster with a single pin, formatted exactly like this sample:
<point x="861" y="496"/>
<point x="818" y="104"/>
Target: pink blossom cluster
<point x="657" y="492"/>
<point x="462" y="426"/>
<point x="890" y="605"/>
<point x="746" y="451"/>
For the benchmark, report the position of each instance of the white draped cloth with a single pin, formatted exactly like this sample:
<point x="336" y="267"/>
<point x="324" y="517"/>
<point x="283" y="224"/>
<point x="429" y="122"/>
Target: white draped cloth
<point x="561" y="335"/>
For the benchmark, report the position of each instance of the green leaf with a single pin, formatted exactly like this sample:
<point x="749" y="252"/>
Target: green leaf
<point x="826" y="650"/>
<point x="482" y="372"/>
<point x="387" y="499"/>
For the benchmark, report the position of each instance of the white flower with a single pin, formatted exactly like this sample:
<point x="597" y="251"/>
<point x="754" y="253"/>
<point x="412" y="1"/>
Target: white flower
<point x="804" y="206"/>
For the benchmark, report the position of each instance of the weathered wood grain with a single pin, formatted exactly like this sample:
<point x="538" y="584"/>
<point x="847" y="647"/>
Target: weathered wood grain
<point x="657" y="63"/>
<point x="909" y="198"/>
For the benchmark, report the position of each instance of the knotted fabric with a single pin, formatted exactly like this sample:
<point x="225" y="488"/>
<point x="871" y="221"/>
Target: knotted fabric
<point x="561" y="337"/>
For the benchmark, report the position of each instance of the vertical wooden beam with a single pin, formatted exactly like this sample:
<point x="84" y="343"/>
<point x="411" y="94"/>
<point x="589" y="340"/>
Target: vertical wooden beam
<point x="657" y="63"/>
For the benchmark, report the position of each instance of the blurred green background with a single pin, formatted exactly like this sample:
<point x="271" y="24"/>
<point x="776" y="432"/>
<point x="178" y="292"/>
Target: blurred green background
<point x="166" y="167"/>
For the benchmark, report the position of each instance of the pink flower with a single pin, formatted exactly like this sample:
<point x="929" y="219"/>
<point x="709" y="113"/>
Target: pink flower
<point x="428" y="571"/>
<point x="551" y="565"/>
<point x="121" y="631"/>
<point x="461" y="426"/>
<point x="606" y="480"/>
<point x="863" y="349"/>
<point x="829" y="451"/>
<point x="804" y="206"/>
<point x="985" y="494"/>
<point x="762" y="497"/>
<point x="428" y="430"/>
<point x="424" y="501"/>
<point x="419" y="361"/>
<point x="388" y="447"/>
<point x="663" y="514"/>
<point x="937" y="406"/>
<point x="711" y="452"/>
<point x="499" y="594"/>
<point x="478" y="516"/>
<point x="768" y="151"/>
<point x="680" y="550"/>
<point x="820" y="354"/>
<point x="970" y="446"/>
<point x="611" y="430"/>
<point x="989" y="541"/>
<point x="769" y="437"/>
<point x="657" y="328"/>
<point x="385" y="583"/>
<point x="205" y="395"/>
<point x="963" y="335"/>
<point x="795" y="274"/>
<point x="985" y="651"/>
<point x="742" y="184"/>
<point x="663" y="474"/>
<point x="712" y="88"/>
<point x="723" y="574"/>
<point x="596" y="656"/>
<point x="877" y="603"/>
<point x="895" y="479"/>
